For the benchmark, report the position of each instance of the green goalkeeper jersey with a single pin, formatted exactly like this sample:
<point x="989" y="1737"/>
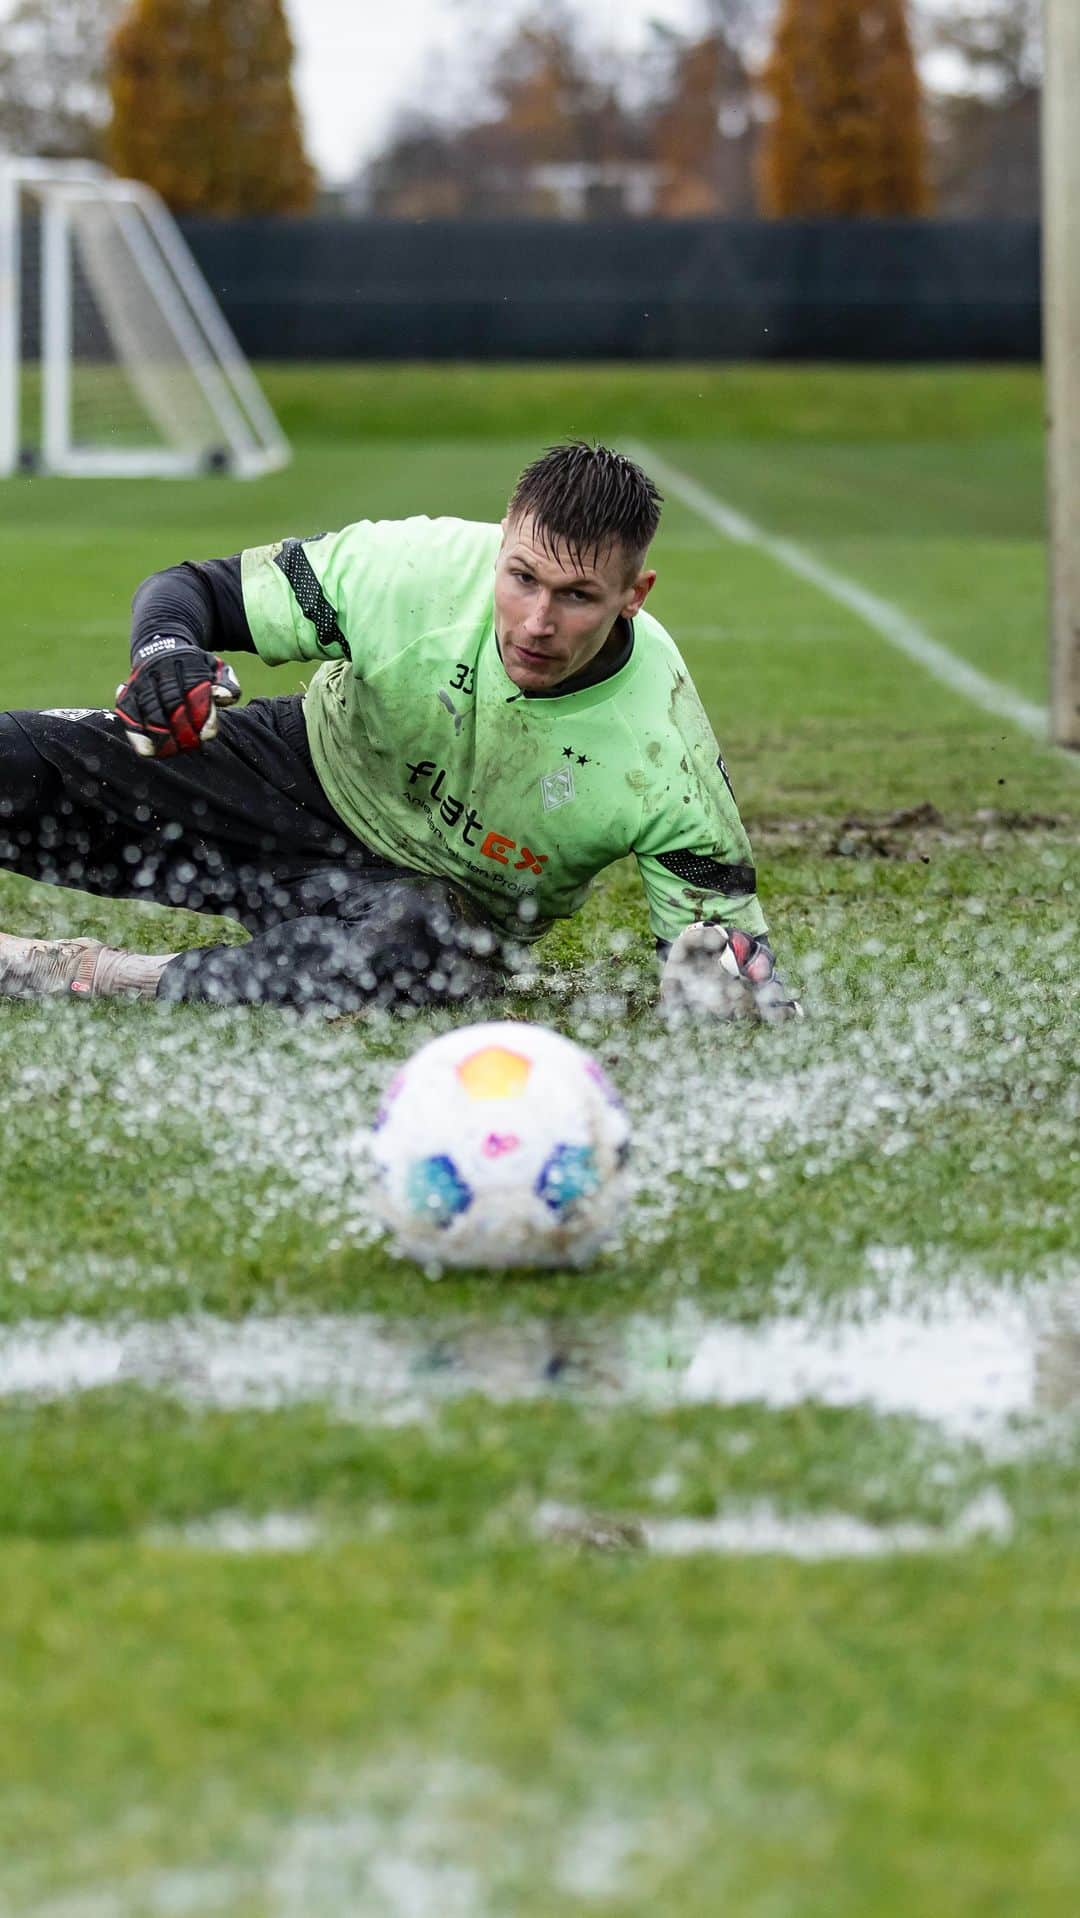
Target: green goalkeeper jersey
<point x="432" y="756"/>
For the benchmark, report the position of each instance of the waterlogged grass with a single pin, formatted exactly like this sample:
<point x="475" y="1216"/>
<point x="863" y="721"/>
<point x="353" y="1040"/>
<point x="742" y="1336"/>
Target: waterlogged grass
<point x="330" y="1585"/>
<point x="930" y="1100"/>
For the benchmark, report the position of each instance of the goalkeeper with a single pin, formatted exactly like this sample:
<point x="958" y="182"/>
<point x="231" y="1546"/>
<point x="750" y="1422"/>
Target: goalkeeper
<point x="494" y="719"/>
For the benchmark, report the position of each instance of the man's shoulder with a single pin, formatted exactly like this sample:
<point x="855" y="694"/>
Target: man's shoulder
<point x="441" y="540"/>
<point x="663" y="703"/>
<point x="405" y="574"/>
<point x="659" y="661"/>
<point x="654" y="638"/>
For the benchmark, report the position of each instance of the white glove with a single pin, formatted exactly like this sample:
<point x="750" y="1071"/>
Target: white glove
<point x="713" y="973"/>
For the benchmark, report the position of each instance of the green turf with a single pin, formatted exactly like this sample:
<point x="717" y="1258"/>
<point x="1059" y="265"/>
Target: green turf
<point x="428" y="1698"/>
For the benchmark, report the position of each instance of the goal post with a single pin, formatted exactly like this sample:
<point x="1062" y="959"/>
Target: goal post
<point x="115" y="358"/>
<point x="1061" y="306"/>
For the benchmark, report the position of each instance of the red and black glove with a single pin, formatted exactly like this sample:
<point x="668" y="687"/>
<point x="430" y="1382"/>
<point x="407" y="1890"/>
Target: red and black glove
<point x="171" y="700"/>
<point x="729" y="974"/>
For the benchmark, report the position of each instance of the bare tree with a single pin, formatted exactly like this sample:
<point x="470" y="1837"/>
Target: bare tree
<point x="703" y="125"/>
<point x="687" y="118"/>
<point x="54" y="101"/>
<point x="552" y="135"/>
<point x="985" y="109"/>
<point x="997" y="45"/>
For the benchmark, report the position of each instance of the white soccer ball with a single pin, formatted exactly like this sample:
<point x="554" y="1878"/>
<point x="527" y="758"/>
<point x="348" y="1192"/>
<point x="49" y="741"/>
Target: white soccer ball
<point x="500" y="1145"/>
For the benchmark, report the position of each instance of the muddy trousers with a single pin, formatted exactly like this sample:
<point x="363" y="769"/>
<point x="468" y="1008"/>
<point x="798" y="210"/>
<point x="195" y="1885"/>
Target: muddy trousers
<point x="242" y="829"/>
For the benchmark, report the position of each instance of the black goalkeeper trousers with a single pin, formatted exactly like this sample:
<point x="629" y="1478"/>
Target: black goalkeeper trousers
<point x="241" y="828"/>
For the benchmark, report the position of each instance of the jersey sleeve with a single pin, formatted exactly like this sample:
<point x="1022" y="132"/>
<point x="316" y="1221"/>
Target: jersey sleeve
<point x="365" y="593"/>
<point x="692" y="850"/>
<point x="287" y="589"/>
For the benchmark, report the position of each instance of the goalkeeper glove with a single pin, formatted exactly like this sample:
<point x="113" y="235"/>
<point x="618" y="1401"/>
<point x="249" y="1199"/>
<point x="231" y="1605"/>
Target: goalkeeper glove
<point x="171" y="700"/>
<point x="725" y="974"/>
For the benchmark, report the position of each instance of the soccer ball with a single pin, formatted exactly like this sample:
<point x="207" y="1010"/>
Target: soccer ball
<point x="500" y="1145"/>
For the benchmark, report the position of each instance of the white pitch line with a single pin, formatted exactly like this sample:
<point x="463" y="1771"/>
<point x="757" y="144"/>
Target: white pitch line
<point x="902" y="632"/>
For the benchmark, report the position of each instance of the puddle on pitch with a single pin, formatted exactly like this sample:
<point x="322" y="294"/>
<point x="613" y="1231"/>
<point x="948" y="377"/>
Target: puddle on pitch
<point x="760" y="1529"/>
<point x="241" y="1533"/>
<point x="967" y="1361"/>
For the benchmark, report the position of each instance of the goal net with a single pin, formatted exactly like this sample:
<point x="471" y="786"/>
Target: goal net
<point x="115" y="358"/>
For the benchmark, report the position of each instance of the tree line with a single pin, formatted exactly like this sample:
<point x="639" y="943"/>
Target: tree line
<point x="786" y="108"/>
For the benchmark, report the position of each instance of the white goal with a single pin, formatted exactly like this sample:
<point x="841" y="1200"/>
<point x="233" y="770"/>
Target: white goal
<point x="115" y="358"/>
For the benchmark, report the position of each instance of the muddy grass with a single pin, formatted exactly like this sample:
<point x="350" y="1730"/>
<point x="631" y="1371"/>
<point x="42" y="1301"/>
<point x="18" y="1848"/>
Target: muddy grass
<point x="912" y="833"/>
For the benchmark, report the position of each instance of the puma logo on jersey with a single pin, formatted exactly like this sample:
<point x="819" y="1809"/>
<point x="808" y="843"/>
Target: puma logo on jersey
<point x="445" y="700"/>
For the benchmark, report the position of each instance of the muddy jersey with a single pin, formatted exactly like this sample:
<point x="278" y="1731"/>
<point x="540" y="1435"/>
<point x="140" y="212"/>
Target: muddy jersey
<point x="432" y="756"/>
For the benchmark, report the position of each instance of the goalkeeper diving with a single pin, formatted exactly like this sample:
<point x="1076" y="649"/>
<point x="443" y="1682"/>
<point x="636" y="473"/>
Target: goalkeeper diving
<point x="494" y="718"/>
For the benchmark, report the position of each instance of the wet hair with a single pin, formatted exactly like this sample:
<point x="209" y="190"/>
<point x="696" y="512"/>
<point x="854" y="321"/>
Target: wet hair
<point x="588" y="499"/>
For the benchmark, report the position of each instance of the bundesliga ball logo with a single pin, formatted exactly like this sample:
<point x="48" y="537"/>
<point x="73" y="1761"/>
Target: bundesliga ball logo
<point x="500" y="1145"/>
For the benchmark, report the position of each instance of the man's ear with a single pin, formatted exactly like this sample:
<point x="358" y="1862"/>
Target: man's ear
<point x="639" y="593"/>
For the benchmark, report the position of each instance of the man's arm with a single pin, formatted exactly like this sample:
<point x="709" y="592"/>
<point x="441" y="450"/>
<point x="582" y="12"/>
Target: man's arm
<point x="171" y="700"/>
<point x="692" y="850"/>
<point x="700" y="881"/>
<point x="199" y="601"/>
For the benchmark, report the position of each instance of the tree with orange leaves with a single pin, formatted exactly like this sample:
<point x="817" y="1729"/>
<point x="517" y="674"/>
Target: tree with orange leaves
<point x="846" y="135"/>
<point x="204" y="109"/>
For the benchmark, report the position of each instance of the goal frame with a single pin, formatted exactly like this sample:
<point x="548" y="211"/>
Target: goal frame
<point x="1061" y="306"/>
<point x="251" y="440"/>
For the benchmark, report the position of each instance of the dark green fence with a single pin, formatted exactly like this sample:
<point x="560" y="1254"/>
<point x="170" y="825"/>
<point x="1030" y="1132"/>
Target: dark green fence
<point x="694" y="289"/>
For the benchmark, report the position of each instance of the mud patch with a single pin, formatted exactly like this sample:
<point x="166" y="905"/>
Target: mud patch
<point x="912" y="833"/>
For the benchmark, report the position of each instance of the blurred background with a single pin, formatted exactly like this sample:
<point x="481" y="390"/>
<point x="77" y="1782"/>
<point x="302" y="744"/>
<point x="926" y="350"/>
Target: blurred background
<point x="658" y="178"/>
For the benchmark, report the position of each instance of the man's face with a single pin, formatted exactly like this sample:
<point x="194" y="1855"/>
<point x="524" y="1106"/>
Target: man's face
<point x="553" y="615"/>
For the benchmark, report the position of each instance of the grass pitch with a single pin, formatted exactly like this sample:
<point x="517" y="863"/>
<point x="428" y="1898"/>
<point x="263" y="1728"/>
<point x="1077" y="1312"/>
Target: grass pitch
<point x="740" y="1574"/>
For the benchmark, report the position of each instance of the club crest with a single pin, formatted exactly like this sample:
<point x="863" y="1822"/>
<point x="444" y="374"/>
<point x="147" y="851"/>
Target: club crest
<point x="557" y="788"/>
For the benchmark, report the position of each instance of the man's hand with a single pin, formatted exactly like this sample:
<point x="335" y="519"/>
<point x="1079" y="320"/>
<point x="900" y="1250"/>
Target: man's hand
<point x="721" y="974"/>
<point x="172" y="698"/>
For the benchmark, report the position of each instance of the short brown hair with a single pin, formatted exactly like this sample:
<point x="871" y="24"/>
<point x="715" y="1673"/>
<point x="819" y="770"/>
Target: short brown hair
<point x="587" y="499"/>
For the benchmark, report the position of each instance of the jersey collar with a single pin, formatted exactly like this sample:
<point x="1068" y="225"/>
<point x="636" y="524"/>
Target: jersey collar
<point x="597" y="671"/>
